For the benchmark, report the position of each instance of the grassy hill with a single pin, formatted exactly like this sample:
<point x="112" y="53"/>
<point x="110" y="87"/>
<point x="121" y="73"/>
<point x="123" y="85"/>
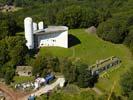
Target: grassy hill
<point x="89" y="48"/>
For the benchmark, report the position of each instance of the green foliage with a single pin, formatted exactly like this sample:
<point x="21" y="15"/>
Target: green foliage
<point x="54" y="63"/>
<point x="10" y="72"/>
<point x="25" y="3"/>
<point x="130" y="21"/>
<point x="71" y="88"/>
<point x="82" y="14"/>
<point x="73" y="72"/>
<point x="104" y="14"/>
<point x="3" y="1"/>
<point x="22" y="79"/>
<point x="92" y="49"/>
<point x="56" y="96"/>
<point x="12" y="25"/>
<point x="113" y="30"/>
<point x="3" y="29"/>
<point x="13" y="49"/>
<point x="127" y="81"/>
<point x="85" y="95"/>
<point x="76" y="16"/>
<point x="69" y="70"/>
<point x="130" y="96"/>
<point x="106" y="96"/>
<point x="85" y="79"/>
<point x="12" y="53"/>
<point x="8" y="25"/>
<point x="7" y="72"/>
<point x="45" y="65"/>
<point x="4" y="57"/>
<point x="129" y="40"/>
<point x="38" y="65"/>
<point x="77" y="72"/>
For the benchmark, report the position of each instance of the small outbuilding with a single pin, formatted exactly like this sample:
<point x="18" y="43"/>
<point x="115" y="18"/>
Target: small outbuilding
<point x="24" y="70"/>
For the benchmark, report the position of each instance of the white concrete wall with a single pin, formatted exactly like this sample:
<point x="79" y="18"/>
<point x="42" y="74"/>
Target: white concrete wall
<point x="34" y="26"/>
<point x="51" y="39"/>
<point x="40" y="25"/>
<point x="28" y="26"/>
<point x="55" y="39"/>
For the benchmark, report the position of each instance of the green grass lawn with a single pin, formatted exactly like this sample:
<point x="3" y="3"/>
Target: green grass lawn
<point x="91" y="49"/>
<point x="22" y="79"/>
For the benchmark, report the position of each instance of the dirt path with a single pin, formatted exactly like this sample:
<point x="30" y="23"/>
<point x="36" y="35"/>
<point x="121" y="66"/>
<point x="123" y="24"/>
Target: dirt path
<point x="50" y="87"/>
<point x="10" y="94"/>
<point x="13" y="95"/>
<point x="99" y="92"/>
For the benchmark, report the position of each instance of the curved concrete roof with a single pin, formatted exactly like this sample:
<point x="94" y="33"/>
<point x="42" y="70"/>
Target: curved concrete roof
<point x="51" y="29"/>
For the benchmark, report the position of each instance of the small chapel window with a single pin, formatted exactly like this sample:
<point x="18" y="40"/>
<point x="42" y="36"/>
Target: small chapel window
<point x="54" y="40"/>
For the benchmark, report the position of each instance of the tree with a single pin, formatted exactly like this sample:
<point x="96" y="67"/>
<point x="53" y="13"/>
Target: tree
<point x="70" y="16"/>
<point x="85" y="79"/>
<point x="3" y="29"/>
<point x="68" y="70"/>
<point x="19" y="3"/>
<point x="113" y="30"/>
<point x="23" y="3"/>
<point x="130" y="21"/>
<point x="12" y="25"/>
<point x="130" y="96"/>
<point x="39" y="65"/>
<point x="127" y="81"/>
<point x="76" y="16"/>
<point x="45" y="65"/>
<point x="53" y="63"/>
<point x="129" y="40"/>
<point x="104" y="14"/>
<point x="9" y="2"/>
<point x="17" y="50"/>
<point x="4" y="57"/>
<point x="13" y="49"/>
<point x="8" y="26"/>
<point x="89" y="18"/>
<point x="12" y="53"/>
<point x="9" y="73"/>
<point x="17" y="55"/>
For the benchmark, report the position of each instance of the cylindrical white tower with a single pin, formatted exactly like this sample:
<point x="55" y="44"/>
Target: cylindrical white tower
<point x="40" y="25"/>
<point x="28" y="26"/>
<point x="34" y="26"/>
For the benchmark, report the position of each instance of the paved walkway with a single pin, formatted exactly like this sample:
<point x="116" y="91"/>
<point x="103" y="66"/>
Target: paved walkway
<point x="45" y="89"/>
<point x="10" y="93"/>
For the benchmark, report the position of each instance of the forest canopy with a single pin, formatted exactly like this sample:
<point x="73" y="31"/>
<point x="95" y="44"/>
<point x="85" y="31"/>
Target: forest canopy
<point x="112" y="18"/>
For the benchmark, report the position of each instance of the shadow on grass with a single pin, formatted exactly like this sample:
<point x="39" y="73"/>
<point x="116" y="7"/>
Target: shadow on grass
<point x="73" y="40"/>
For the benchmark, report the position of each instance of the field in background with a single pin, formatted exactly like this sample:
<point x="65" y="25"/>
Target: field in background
<point x="89" y="48"/>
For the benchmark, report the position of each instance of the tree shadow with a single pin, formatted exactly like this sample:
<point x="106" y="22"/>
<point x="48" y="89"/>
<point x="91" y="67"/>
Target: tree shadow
<point x="73" y="40"/>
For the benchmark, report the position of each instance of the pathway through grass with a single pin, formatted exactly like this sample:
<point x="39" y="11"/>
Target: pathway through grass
<point x="92" y="49"/>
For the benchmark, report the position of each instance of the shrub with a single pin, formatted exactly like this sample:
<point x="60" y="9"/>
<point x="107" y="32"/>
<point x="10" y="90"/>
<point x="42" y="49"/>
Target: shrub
<point x="113" y="30"/>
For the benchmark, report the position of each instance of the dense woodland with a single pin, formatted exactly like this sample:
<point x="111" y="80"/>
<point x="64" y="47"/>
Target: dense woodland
<point x="113" y="19"/>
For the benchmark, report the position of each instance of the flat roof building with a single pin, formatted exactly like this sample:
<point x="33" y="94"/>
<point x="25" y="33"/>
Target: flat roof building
<point x="24" y="70"/>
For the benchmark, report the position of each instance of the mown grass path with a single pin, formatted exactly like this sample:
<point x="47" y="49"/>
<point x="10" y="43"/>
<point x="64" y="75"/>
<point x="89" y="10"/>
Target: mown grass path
<point x="89" y="50"/>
